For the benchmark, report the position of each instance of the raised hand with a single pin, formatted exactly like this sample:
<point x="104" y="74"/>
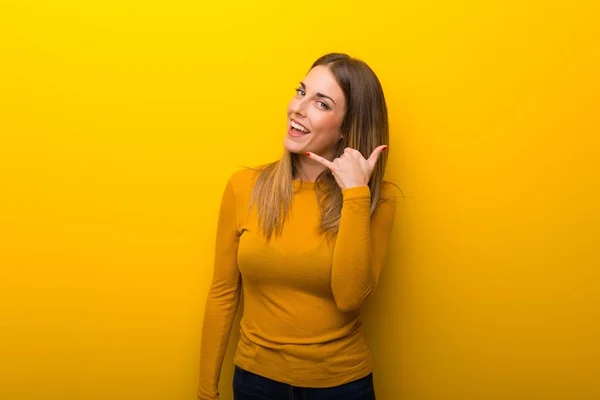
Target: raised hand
<point x="351" y="169"/>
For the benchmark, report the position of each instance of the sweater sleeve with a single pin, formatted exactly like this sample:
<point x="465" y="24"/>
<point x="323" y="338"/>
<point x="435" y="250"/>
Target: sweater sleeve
<point x="223" y="298"/>
<point x="361" y="246"/>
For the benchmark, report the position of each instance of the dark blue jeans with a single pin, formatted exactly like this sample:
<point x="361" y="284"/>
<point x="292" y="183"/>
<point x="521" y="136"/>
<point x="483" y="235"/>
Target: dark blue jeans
<point x="249" y="386"/>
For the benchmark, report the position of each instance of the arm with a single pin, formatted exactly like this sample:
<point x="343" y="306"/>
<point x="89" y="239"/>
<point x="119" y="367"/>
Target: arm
<point x="361" y="246"/>
<point x="222" y="301"/>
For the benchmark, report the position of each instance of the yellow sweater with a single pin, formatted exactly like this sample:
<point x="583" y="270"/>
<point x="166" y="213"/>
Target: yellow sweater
<point x="301" y="322"/>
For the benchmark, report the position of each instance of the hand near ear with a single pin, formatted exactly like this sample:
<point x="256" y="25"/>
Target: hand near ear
<point x="351" y="169"/>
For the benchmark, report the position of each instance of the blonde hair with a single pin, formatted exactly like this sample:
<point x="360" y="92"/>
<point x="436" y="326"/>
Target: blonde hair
<point x="365" y="127"/>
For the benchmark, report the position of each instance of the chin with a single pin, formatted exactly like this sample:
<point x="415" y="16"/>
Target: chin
<point x="293" y="147"/>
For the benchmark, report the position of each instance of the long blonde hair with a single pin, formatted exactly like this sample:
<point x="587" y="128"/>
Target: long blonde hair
<point x="365" y="126"/>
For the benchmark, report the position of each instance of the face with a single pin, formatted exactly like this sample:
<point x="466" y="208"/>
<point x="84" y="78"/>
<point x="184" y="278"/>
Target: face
<point x="315" y="115"/>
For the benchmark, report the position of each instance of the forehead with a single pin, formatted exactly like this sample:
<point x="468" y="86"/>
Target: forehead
<point x="320" y="79"/>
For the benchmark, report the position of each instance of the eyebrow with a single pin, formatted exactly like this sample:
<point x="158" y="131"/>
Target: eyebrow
<point x="318" y="94"/>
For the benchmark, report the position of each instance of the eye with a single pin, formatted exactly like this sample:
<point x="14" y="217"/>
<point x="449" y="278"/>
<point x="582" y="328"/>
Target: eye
<point x="323" y="105"/>
<point x="300" y="92"/>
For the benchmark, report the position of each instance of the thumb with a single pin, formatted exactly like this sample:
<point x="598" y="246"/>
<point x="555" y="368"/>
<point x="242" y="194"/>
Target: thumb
<point x="375" y="155"/>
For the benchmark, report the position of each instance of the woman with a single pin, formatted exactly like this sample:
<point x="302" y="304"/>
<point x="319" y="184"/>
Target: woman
<point x="306" y="238"/>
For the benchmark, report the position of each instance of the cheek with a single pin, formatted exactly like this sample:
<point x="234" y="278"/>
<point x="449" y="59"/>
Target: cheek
<point x="326" y="122"/>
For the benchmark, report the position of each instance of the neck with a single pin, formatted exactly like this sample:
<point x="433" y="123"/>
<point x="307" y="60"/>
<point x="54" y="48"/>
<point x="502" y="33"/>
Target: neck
<point x="308" y="170"/>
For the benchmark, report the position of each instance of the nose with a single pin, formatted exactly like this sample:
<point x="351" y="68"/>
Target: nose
<point x="298" y="106"/>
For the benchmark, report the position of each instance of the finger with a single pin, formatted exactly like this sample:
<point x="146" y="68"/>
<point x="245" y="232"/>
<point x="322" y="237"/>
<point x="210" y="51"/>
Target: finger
<point x="320" y="159"/>
<point x="375" y="155"/>
<point x="353" y="152"/>
<point x="344" y="156"/>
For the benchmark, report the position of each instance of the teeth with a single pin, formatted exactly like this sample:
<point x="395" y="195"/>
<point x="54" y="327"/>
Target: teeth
<point x="299" y="127"/>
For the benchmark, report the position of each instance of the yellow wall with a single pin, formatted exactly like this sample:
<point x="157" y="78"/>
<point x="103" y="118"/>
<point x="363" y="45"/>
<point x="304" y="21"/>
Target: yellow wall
<point x="119" y="124"/>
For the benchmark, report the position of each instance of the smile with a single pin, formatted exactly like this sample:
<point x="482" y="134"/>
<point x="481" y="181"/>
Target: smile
<point x="299" y="127"/>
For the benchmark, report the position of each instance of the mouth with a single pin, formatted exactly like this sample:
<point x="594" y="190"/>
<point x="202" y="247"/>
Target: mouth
<point x="297" y="129"/>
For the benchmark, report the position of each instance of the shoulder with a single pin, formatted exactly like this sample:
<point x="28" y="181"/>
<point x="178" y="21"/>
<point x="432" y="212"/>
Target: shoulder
<point x="242" y="180"/>
<point x="388" y="200"/>
<point x="390" y="191"/>
<point x="244" y="177"/>
<point x="384" y="215"/>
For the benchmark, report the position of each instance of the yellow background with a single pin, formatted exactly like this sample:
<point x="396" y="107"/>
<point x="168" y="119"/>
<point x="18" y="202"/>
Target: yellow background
<point x="121" y="121"/>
